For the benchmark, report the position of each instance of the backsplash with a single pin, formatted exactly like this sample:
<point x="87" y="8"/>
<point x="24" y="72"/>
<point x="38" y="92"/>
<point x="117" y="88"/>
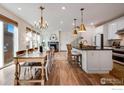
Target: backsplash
<point x="117" y="40"/>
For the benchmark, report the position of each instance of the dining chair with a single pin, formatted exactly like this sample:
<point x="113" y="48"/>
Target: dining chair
<point x="50" y="60"/>
<point x="36" y="48"/>
<point x="47" y="65"/>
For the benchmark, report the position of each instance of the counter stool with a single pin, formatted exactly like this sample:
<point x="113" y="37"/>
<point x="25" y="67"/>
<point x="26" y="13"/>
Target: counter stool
<point x="73" y="56"/>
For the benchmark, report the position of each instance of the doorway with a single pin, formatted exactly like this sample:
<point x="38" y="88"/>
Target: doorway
<point x="8" y="43"/>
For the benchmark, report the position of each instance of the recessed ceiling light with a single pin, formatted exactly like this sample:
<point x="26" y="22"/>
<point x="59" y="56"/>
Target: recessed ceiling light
<point x="35" y="22"/>
<point x="91" y="23"/>
<point x="63" y="8"/>
<point x="61" y="22"/>
<point x="19" y="8"/>
<point x="73" y="23"/>
<point x="60" y="29"/>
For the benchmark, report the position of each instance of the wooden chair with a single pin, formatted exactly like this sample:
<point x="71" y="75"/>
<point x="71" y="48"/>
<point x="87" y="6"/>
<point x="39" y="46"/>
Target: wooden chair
<point x="73" y="56"/>
<point x="51" y="59"/>
<point x="47" y="65"/>
<point x="30" y="50"/>
<point x="36" y="48"/>
<point x="22" y="52"/>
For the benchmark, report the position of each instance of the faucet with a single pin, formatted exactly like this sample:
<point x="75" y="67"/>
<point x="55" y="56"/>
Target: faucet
<point x="85" y="41"/>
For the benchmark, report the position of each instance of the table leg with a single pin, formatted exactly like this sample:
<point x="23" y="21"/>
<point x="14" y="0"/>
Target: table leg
<point x="42" y="73"/>
<point x="81" y="61"/>
<point x="16" y="82"/>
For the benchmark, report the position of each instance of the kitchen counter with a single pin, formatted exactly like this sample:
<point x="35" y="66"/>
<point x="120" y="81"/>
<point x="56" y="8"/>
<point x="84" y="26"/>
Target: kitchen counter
<point x="97" y="48"/>
<point x="96" y="60"/>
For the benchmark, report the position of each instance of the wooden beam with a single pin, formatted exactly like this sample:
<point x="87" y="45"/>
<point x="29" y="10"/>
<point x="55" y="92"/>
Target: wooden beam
<point x="8" y="20"/>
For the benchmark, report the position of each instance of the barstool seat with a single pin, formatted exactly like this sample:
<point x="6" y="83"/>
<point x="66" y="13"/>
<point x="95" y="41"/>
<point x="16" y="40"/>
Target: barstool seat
<point x="75" y="53"/>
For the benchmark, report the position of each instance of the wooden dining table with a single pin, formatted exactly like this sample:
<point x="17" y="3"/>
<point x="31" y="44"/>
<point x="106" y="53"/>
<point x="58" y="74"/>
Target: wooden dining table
<point x="32" y="57"/>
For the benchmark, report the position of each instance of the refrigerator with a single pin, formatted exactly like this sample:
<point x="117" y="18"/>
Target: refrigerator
<point x="99" y="41"/>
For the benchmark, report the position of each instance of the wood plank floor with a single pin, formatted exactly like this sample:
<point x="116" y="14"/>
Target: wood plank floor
<point x="63" y="73"/>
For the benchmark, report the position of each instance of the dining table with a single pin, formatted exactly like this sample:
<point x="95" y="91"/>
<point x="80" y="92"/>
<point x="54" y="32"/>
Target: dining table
<point x="37" y="57"/>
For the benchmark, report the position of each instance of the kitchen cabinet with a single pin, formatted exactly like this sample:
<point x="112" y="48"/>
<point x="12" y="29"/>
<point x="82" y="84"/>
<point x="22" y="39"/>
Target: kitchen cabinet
<point x="96" y="61"/>
<point x="106" y="63"/>
<point x="99" y="61"/>
<point x="92" y="60"/>
<point x="120" y="23"/>
<point x="112" y="29"/>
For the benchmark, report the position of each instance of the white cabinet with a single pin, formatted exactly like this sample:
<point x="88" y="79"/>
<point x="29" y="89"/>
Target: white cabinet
<point x="120" y="23"/>
<point x="92" y="60"/>
<point x="112" y="29"/>
<point x="96" y="61"/>
<point x="106" y="63"/>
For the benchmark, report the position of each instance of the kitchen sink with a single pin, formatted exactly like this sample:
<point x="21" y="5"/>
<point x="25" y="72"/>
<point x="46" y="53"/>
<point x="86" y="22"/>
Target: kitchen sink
<point x="87" y="47"/>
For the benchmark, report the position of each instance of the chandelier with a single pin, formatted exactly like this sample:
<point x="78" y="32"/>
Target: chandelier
<point x="42" y="24"/>
<point x="75" y="28"/>
<point x="82" y="27"/>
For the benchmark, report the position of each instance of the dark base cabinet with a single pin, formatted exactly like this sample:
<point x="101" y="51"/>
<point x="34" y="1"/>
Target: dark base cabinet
<point x="118" y="55"/>
<point x="120" y="59"/>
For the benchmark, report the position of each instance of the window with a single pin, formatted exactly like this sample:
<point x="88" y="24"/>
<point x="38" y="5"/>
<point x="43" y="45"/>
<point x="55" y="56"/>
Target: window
<point x="9" y="38"/>
<point x="32" y="38"/>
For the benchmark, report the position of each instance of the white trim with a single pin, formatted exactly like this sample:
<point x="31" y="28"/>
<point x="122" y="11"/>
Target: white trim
<point x="16" y="40"/>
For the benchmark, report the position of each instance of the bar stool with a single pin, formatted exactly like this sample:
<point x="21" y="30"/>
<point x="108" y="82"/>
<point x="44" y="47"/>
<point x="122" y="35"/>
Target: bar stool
<point x="73" y="56"/>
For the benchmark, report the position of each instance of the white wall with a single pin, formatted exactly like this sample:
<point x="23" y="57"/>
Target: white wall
<point x="88" y="35"/>
<point x="21" y="27"/>
<point x="67" y="37"/>
<point x="46" y="36"/>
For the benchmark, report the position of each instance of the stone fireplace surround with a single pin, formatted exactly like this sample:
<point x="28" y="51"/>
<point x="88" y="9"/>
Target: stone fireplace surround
<point x="54" y="45"/>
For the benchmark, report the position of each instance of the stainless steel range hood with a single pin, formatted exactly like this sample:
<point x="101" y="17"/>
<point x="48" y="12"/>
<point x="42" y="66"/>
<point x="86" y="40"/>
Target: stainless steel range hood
<point x="119" y="32"/>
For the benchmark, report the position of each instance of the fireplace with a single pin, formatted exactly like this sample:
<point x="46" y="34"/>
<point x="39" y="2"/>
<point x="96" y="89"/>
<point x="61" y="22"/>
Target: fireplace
<point x="54" y="45"/>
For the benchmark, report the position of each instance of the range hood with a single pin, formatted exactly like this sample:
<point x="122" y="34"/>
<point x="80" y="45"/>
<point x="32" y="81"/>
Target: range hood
<point x="119" y="32"/>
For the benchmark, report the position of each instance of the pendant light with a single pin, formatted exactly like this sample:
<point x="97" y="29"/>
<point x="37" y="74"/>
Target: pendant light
<point x="41" y="24"/>
<point x="75" y="28"/>
<point x="82" y="27"/>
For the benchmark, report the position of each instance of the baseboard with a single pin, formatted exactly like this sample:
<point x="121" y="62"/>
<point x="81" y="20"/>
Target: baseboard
<point x="63" y="50"/>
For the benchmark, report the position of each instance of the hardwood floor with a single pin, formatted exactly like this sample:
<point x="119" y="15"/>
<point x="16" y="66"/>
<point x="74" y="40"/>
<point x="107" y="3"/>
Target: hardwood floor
<point x="64" y="73"/>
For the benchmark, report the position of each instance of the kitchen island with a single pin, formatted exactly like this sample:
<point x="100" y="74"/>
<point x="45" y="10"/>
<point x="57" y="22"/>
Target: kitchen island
<point x="96" y="60"/>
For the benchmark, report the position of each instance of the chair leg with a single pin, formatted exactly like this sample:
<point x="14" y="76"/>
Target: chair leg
<point x="25" y="72"/>
<point x="49" y="69"/>
<point x="46" y="74"/>
<point x="35" y="71"/>
<point x="31" y="72"/>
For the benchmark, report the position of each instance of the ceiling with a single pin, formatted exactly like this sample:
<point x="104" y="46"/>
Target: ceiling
<point x="62" y="19"/>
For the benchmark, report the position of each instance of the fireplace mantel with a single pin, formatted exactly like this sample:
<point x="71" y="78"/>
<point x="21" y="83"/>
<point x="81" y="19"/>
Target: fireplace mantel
<point x="54" y="44"/>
